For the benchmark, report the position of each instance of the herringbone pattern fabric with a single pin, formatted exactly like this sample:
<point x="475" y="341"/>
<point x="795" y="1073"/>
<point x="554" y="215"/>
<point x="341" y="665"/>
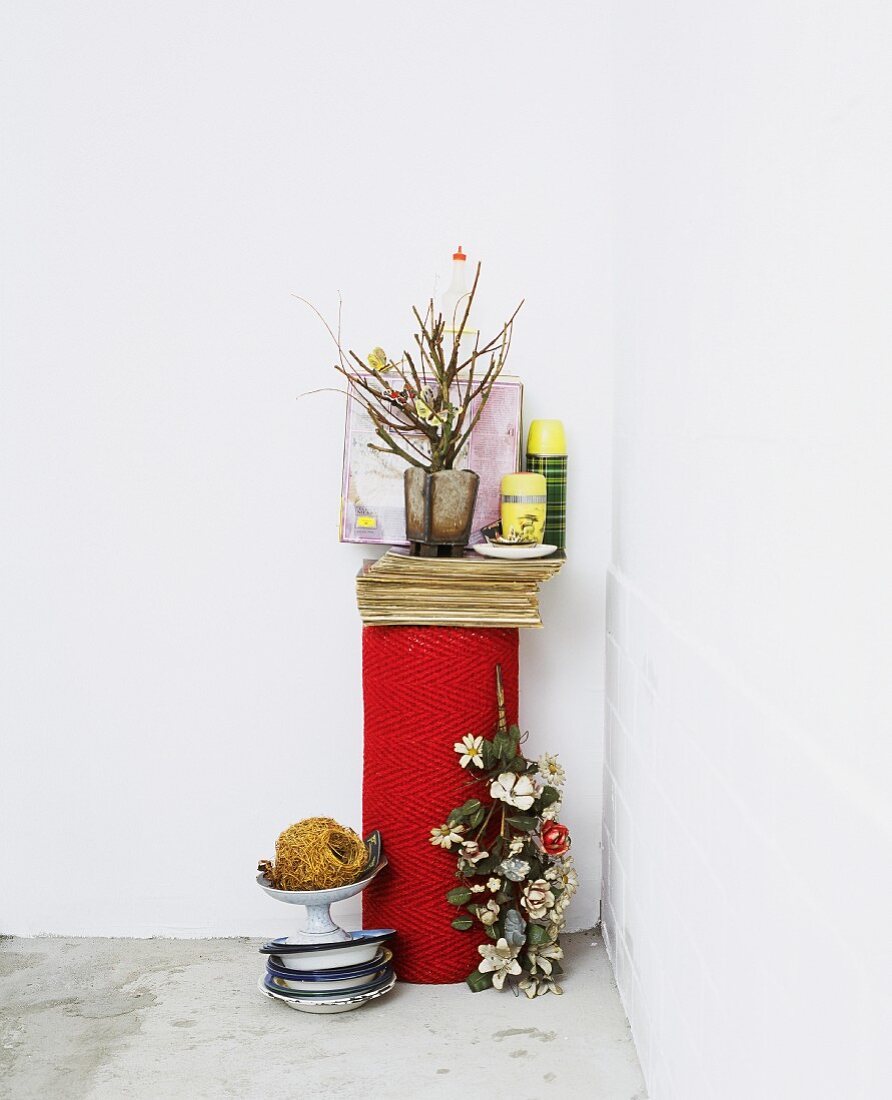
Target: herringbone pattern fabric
<point x="424" y="687"/>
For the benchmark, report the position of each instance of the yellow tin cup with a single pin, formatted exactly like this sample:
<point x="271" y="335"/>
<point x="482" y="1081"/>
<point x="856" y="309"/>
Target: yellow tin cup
<point x="524" y="499"/>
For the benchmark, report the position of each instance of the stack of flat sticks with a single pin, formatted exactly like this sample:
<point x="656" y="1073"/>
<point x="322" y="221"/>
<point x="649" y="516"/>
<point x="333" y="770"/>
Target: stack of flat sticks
<point x="472" y="591"/>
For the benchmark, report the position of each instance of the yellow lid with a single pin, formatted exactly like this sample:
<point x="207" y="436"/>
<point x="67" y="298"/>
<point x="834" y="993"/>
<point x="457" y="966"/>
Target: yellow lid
<point x="524" y="485"/>
<point x="546" y="437"/>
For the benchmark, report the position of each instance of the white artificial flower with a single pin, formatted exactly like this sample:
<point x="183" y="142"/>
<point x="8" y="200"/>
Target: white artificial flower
<point x="488" y="914"/>
<point x="446" y="835"/>
<point x="567" y="877"/>
<point x="494" y="885"/>
<point x="471" y="750"/>
<point x="477" y="888"/>
<point x="561" y="902"/>
<point x="500" y="960"/>
<point x="551" y="812"/>
<point x="471" y="851"/>
<point x="563" y="874"/>
<point x="535" y="987"/>
<point x="543" y="957"/>
<point x="537" y="898"/>
<point x="516" y="846"/>
<point x="558" y="920"/>
<point x="551" y="771"/>
<point x="516" y="790"/>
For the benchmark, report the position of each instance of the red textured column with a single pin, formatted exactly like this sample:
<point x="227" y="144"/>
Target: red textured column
<point x="424" y="688"/>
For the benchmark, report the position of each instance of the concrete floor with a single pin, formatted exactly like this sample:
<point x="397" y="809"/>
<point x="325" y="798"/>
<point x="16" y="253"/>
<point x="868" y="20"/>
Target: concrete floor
<point x="106" y="1019"/>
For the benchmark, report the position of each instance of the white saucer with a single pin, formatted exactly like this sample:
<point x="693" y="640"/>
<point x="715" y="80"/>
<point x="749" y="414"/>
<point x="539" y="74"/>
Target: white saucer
<point x="514" y="553"/>
<point x="328" y="1007"/>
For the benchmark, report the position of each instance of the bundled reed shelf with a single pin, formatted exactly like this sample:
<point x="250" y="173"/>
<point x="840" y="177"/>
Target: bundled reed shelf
<point x="401" y="590"/>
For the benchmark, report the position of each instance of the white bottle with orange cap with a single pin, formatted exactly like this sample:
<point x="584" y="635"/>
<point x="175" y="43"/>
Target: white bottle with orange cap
<point x="455" y="301"/>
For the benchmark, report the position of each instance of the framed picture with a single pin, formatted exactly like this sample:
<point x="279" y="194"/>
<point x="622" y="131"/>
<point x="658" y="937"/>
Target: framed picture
<point x="372" y="502"/>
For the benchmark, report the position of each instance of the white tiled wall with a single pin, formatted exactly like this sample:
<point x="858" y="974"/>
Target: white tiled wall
<point x="741" y="879"/>
<point x="747" y="860"/>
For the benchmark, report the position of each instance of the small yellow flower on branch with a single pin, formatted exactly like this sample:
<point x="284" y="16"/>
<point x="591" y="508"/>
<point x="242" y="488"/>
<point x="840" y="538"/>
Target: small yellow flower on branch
<point x="471" y="748"/>
<point x="444" y="836"/>
<point x="377" y="360"/>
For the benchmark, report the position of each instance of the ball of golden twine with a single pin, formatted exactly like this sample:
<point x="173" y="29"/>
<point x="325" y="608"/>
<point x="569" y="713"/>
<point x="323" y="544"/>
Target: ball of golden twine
<point x="316" y="854"/>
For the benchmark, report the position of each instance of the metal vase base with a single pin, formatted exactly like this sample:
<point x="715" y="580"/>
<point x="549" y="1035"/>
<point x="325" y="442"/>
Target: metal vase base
<point x="439" y="510"/>
<point x="318" y="926"/>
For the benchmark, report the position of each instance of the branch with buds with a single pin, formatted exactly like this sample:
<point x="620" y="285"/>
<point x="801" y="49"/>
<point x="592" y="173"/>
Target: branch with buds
<point x="425" y="405"/>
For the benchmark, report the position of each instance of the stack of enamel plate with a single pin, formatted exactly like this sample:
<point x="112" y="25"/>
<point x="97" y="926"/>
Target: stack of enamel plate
<point x="329" y="977"/>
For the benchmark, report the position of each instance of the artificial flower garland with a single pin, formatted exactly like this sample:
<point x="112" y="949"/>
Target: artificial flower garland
<point x="517" y="876"/>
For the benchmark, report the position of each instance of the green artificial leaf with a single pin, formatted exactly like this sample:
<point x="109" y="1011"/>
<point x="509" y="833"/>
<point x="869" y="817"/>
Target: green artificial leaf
<point x="491" y="932"/>
<point x="454" y="818"/>
<point x="463" y="924"/>
<point x="477" y="982"/>
<point x="459" y="896"/>
<point x="548" y="797"/>
<point x="523" y="823"/>
<point x="505" y="746"/>
<point x="518" y="765"/>
<point x="537" y="934"/>
<point x="476" y="817"/>
<point x="471" y="806"/>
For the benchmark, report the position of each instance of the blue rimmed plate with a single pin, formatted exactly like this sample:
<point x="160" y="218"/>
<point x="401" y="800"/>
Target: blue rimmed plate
<point x="335" y="974"/>
<point x="292" y="980"/>
<point x="276" y="985"/>
<point x="341" y="1004"/>
<point x="362" y="947"/>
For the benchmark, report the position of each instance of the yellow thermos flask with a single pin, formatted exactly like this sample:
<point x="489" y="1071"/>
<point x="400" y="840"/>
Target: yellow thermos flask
<point x="547" y="455"/>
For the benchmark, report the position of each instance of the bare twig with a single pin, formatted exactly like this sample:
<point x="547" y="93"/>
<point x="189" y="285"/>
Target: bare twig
<point x="449" y="385"/>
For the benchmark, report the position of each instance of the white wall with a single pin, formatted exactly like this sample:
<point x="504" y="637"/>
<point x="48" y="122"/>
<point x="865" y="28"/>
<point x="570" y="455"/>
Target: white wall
<point x="180" y="644"/>
<point x="747" y="825"/>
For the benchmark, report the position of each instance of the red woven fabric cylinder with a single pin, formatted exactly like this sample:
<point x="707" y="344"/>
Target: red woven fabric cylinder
<point x="424" y="688"/>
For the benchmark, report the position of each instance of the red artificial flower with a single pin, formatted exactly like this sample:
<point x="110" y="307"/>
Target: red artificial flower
<point x="555" y="838"/>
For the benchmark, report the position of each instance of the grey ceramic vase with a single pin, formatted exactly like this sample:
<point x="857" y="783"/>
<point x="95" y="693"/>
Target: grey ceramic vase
<point x="439" y="509"/>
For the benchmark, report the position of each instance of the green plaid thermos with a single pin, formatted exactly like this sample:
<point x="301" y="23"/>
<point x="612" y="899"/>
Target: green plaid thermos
<point x="547" y="454"/>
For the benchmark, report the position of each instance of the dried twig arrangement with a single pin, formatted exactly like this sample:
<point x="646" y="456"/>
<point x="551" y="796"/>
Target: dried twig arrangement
<point x="425" y="405"/>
